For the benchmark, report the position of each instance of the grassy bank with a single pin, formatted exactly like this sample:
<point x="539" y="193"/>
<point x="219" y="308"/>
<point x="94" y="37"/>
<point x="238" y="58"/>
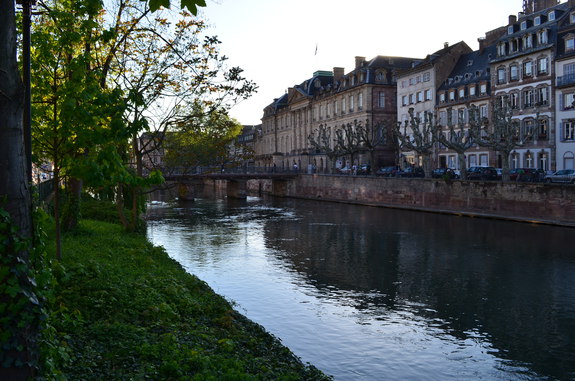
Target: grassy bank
<point x="124" y="310"/>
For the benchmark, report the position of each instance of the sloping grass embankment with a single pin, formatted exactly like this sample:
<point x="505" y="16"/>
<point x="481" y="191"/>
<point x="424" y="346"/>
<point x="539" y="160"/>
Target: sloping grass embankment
<point x="124" y="310"/>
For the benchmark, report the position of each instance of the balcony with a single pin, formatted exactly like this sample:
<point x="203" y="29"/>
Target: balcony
<point x="566" y="80"/>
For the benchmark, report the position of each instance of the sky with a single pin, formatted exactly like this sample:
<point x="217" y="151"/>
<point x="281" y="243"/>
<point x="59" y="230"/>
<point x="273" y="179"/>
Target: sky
<point x="281" y="43"/>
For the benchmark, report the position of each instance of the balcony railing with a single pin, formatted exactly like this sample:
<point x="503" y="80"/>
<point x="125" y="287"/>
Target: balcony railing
<point x="565" y="80"/>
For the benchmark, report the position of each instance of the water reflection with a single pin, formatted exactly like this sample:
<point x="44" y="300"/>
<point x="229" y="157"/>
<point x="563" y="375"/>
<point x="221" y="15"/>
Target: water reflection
<point x="386" y="293"/>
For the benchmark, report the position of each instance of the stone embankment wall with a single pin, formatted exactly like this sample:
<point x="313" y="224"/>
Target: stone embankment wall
<point x="544" y="203"/>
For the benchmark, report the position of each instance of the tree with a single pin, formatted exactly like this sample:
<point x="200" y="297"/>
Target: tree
<point x="371" y="137"/>
<point x="458" y="139"/>
<point x="348" y="139"/>
<point x="501" y="134"/>
<point x="419" y="136"/>
<point x="322" y="142"/>
<point x="202" y="139"/>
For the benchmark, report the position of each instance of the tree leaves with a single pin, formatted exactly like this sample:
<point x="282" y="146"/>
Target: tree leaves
<point x="191" y="5"/>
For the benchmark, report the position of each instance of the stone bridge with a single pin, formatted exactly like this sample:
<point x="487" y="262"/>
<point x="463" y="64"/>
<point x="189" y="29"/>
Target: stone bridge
<point x="189" y="185"/>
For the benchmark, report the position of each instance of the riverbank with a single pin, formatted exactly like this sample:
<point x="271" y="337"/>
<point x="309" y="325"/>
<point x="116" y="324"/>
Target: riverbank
<point x="550" y="204"/>
<point x="123" y="309"/>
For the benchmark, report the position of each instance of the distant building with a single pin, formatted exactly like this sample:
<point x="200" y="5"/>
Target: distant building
<point x="367" y="94"/>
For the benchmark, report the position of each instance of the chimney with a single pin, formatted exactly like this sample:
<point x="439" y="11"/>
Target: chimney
<point x="512" y="19"/>
<point x="338" y="73"/>
<point x="445" y="45"/>
<point x="359" y="61"/>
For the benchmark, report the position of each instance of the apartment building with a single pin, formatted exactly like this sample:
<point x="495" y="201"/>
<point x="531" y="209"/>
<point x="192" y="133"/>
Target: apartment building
<point x="565" y="92"/>
<point x="418" y="84"/>
<point x="523" y="73"/>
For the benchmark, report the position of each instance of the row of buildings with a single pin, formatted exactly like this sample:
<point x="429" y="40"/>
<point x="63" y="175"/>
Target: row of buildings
<point x="530" y="61"/>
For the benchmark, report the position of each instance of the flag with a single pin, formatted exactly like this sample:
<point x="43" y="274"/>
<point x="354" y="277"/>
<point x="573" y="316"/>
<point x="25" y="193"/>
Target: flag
<point x="315" y="50"/>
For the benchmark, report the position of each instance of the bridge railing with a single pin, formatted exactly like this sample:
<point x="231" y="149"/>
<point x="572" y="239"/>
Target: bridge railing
<point x="203" y="170"/>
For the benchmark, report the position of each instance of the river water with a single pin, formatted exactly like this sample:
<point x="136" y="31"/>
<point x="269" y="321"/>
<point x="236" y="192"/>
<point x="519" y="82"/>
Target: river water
<point x="368" y="293"/>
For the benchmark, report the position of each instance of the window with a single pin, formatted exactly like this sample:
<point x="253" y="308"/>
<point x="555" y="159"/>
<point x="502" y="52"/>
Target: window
<point x="543" y="96"/>
<point x="343" y="105"/>
<point x="420" y="96"/>
<point x="351" y="103"/>
<point x="452" y="95"/>
<point x="543" y="129"/>
<point x="461" y="116"/>
<point x="381" y="99"/>
<point x="404" y="100"/>
<point x="537" y="20"/>
<point x="335" y="111"/>
<point x="418" y="79"/>
<point x="412" y="81"/>
<point x="569" y="42"/>
<point x="472" y="90"/>
<point x="542" y="37"/>
<point x="568" y="101"/>
<point x="568" y="130"/>
<point x="523" y="25"/>
<point x="514" y="100"/>
<point x="501" y="49"/>
<point x="551" y="16"/>
<point x="514" y="73"/>
<point x="528" y="41"/>
<point x="572" y="17"/>
<point x="412" y="98"/>
<point x="501" y="75"/>
<point x="461" y="93"/>
<point x="542" y="65"/>
<point x="426" y="77"/>
<point x="528" y="98"/>
<point x="510" y="29"/>
<point x="403" y="84"/>
<point x="528" y="69"/>
<point x="443" y="118"/>
<point x="442" y="97"/>
<point x="360" y="101"/>
<point x="428" y="94"/>
<point x="483" y="160"/>
<point x="483" y="111"/>
<point x="483" y="89"/>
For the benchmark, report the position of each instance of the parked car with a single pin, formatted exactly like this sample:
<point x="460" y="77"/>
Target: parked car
<point x="531" y="175"/>
<point x="441" y="173"/>
<point x="364" y="169"/>
<point x="344" y="170"/>
<point x="482" y="173"/>
<point x="561" y="176"/>
<point x="387" y="171"/>
<point x="411" y="172"/>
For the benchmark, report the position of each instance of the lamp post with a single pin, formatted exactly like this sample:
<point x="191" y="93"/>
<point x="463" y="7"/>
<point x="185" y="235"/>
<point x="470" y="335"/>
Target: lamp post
<point x="26" y="117"/>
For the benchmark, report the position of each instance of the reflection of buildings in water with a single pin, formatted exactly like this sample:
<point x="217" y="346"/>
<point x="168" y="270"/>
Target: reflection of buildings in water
<point x="511" y="282"/>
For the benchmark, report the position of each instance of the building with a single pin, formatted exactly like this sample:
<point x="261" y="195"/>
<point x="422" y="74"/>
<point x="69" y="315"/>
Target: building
<point x="565" y="91"/>
<point x="330" y="99"/>
<point x="418" y="84"/>
<point x="468" y="85"/>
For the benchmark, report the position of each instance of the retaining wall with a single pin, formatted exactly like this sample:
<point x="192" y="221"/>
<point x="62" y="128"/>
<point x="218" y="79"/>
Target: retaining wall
<point x="545" y="203"/>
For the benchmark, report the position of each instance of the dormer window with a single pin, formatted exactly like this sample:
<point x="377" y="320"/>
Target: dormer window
<point x="470" y="63"/>
<point x="551" y="16"/>
<point x="528" y="41"/>
<point x="537" y="20"/>
<point x="542" y="37"/>
<point x="569" y="42"/>
<point x="523" y="25"/>
<point x="510" y="29"/>
<point x="572" y="18"/>
<point x="472" y="90"/>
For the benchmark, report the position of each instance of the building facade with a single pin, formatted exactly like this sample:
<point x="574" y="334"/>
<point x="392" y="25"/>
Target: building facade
<point x="330" y="99"/>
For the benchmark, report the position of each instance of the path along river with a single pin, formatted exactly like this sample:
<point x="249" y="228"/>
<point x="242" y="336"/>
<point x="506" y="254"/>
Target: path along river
<point x="369" y="293"/>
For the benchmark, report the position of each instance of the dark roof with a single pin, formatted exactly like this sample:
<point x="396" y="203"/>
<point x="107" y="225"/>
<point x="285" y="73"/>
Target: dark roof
<point x="430" y="59"/>
<point x="471" y="68"/>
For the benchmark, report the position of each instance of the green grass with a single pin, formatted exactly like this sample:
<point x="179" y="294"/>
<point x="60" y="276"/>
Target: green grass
<point x="123" y="310"/>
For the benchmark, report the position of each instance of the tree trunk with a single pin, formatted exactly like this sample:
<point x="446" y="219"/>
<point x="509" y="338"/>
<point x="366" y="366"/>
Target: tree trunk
<point x="21" y="353"/>
<point x="71" y="212"/>
<point x="462" y="165"/>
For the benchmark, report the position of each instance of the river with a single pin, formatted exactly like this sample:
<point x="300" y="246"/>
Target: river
<point x="367" y="293"/>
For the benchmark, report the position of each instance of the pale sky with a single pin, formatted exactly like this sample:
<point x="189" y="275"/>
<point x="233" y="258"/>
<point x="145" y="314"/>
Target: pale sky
<point x="274" y="41"/>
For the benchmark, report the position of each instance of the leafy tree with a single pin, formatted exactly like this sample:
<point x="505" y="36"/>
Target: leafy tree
<point x="501" y="133"/>
<point x="202" y="139"/>
<point x="418" y="135"/>
<point x="458" y="139"/>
